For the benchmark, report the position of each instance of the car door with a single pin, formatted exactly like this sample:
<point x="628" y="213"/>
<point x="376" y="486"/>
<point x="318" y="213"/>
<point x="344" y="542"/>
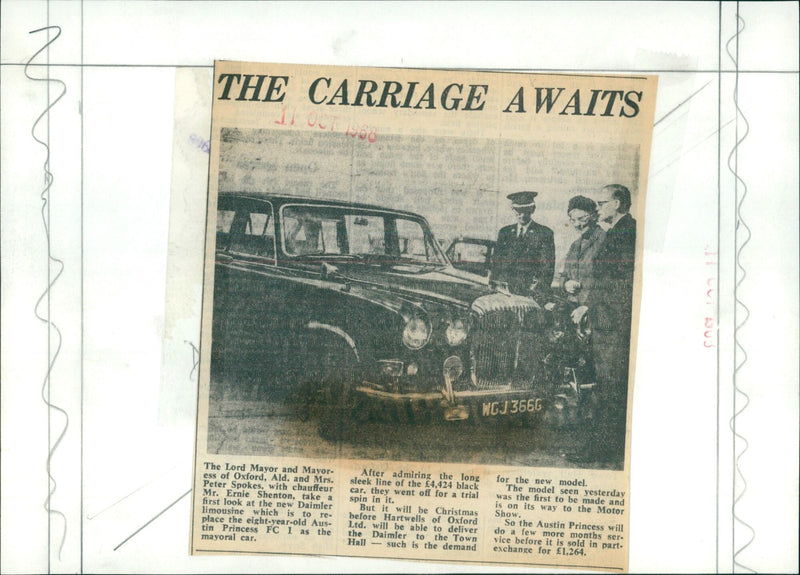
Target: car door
<point x="246" y="335"/>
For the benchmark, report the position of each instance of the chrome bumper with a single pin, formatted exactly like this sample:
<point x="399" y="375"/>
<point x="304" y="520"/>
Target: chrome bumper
<point x="457" y="405"/>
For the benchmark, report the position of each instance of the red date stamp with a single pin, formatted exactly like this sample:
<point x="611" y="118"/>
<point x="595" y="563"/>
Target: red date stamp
<point x="709" y="325"/>
<point x="328" y="123"/>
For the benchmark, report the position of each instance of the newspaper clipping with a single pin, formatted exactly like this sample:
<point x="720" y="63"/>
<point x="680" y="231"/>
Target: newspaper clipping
<point x="419" y="316"/>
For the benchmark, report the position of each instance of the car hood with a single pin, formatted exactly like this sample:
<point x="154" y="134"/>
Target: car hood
<point x="417" y="283"/>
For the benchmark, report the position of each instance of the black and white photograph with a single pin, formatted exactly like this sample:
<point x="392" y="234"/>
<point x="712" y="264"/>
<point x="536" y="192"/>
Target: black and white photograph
<point x="422" y="298"/>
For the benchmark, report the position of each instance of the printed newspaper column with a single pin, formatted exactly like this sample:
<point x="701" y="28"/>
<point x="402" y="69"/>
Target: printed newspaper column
<point x="420" y="304"/>
<point x="430" y="513"/>
<point x="251" y="504"/>
<point x="549" y="517"/>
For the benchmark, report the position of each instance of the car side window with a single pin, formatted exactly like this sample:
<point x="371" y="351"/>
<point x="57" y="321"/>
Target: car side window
<point x="302" y="233"/>
<point x="253" y="232"/>
<point x="224" y="222"/>
<point x="365" y="234"/>
<point x="312" y="233"/>
<point x="330" y="236"/>
<point x="413" y="243"/>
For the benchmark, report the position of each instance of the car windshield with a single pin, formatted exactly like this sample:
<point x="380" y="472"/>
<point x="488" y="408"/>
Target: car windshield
<point x="338" y="232"/>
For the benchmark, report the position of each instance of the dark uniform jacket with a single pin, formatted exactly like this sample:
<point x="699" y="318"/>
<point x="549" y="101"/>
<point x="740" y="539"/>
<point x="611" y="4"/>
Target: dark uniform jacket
<point x="522" y="261"/>
<point x="611" y="300"/>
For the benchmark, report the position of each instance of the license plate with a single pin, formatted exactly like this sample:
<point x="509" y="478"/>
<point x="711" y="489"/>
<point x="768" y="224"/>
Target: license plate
<point x="511" y="407"/>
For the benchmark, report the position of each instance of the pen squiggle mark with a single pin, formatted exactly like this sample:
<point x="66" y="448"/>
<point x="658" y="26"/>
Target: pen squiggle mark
<point x="740" y="354"/>
<point x="195" y="359"/>
<point x="52" y="330"/>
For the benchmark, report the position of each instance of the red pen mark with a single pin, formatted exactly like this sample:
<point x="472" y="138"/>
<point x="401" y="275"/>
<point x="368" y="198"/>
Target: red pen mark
<point x="709" y="324"/>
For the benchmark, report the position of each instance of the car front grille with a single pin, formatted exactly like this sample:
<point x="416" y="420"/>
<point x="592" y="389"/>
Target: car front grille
<point x="501" y="349"/>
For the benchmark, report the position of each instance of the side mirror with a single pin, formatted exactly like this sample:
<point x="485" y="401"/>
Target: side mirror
<point x="328" y="270"/>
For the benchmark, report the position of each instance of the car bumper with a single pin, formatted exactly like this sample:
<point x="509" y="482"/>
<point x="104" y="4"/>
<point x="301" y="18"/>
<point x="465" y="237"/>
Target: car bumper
<point x="465" y="404"/>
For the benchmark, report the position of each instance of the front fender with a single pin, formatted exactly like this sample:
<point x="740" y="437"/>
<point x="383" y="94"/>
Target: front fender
<point x="317" y="328"/>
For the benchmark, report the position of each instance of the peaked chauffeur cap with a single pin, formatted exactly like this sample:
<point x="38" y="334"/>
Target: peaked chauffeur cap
<point x="522" y="199"/>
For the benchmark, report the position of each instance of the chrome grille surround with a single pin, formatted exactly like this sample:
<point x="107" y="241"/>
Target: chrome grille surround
<point x="499" y="345"/>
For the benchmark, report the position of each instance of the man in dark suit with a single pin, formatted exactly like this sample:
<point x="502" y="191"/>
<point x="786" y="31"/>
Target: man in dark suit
<point x="524" y="256"/>
<point x="616" y="257"/>
<point x="610" y="306"/>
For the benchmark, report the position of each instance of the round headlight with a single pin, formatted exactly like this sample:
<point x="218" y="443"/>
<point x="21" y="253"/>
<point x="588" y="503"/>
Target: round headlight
<point x="416" y="333"/>
<point x="456" y="332"/>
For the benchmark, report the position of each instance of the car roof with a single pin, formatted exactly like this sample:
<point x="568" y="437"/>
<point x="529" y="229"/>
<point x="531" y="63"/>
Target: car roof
<point x="281" y="199"/>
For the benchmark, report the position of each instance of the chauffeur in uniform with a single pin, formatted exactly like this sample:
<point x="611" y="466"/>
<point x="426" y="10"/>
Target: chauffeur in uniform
<point x="524" y="256"/>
